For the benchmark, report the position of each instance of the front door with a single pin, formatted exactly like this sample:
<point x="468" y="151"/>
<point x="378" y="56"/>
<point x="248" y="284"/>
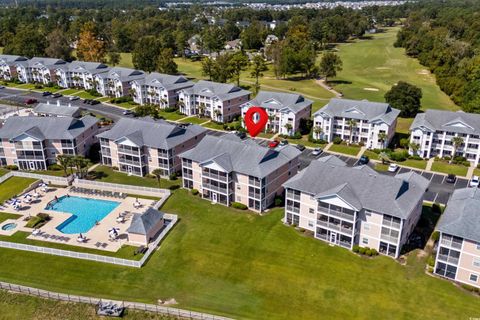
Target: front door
<point x="214" y="197"/>
<point x="333" y="237"/>
<point x="129" y="170"/>
<point x="31" y="165"/>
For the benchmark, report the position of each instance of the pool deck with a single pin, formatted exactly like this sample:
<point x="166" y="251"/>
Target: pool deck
<point x="98" y="234"/>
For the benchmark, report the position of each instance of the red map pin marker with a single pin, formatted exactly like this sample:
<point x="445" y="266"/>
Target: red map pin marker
<point x="254" y="128"/>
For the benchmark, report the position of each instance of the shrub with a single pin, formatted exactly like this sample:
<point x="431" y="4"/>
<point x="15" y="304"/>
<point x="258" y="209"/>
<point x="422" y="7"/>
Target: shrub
<point x="478" y="166"/>
<point x="399" y="156"/>
<point x="362" y="250"/>
<point x="368" y="252"/>
<point x="356" y="248"/>
<point x="447" y="158"/>
<point x="361" y="144"/>
<point x="115" y="168"/>
<point x="436" y="236"/>
<point x="49" y="85"/>
<point x="194" y="192"/>
<point x="55" y="167"/>
<point x="238" y="205"/>
<point x="431" y="261"/>
<point x="374" y="252"/>
<point x="13" y="167"/>
<point x="174" y="187"/>
<point x="170" y="109"/>
<point x="38" y="86"/>
<point x="337" y="140"/>
<point x="416" y="157"/>
<point x="122" y="99"/>
<point x="278" y="201"/>
<point x="296" y="135"/>
<point x="471" y="288"/>
<point x="38" y="221"/>
<point x="173" y="176"/>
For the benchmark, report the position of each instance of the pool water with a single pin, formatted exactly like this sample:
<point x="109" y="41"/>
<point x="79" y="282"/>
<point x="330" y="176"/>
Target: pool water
<point x="9" y="226"/>
<point x="85" y="212"/>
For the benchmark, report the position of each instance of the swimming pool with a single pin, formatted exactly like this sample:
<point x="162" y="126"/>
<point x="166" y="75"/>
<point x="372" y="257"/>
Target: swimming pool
<point x="85" y="212"/>
<point x="9" y="226"/>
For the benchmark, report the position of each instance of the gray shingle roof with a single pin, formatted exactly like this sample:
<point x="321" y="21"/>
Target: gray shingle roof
<point x="123" y="74"/>
<point x="46" y="127"/>
<point x="155" y="134"/>
<point x="242" y="156"/>
<point x="167" y="81"/>
<point x="280" y="101"/>
<point x="47" y="62"/>
<point x="461" y="218"/>
<point x="362" y="187"/>
<point x="11" y="59"/>
<point x="83" y="66"/>
<point x="223" y="91"/>
<point x="360" y="110"/>
<point x="460" y="122"/>
<point x="143" y="223"/>
<point x="55" y="110"/>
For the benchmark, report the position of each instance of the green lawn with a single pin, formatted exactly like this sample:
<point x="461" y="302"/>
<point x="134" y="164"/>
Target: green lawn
<point x="106" y="174"/>
<point x="403" y="125"/>
<point x="173" y="116"/>
<point x="243" y="265"/>
<point x="213" y="125"/>
<point x="476" y="172"/>
<point x="3" y="171"/>
<point x="343" y="148"/>
<point x="126" y="60"/>
<point x="305" y="142"/>
<point x="49" y="89"/>
<point x="13" y="187"/>
<point x="381" y="167"/>
<point x="126" y="105"/>
<point x="5" y="216"/>
<point x="371" y="155"/>
<point x="103" y="99"/>
<point x="30" y="86"/>
<point x="67" y="92"/>
<point x="86" y="95"/>
<point x="419" y="164"/>
<point x="370" y="65"/>
<point x="445" y="167"/>
<point x="195" y="120"/>
<point x="56" y="173"/>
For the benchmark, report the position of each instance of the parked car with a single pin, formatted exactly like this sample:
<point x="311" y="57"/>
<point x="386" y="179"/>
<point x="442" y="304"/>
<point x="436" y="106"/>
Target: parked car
<point x="241" y="135"/>
<point x="363" y="160"/>
<point x="316" y="152"/>
<point x="92" y="102"/>
<point x="31" y="101"/>
<point x="273" y="144"/>
<point x="57" y="95"/>
<point x="283" y="143"/>
<point x="72" y="98"/>
<point x="87" y="101"/>
<point x="474" y="182"/>
<point x="127" y="112"/>
<point x="46" y="93"/>
<point x="393" y="167"/>
<point x="2" y="87"/>
<point x="451" y="178"/>
<point x="300" y="147"/>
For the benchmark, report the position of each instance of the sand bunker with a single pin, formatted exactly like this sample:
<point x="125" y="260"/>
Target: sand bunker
<point x="370" y="89"/>
<point x="423" y="71"/>
<point x="382" y="68"/>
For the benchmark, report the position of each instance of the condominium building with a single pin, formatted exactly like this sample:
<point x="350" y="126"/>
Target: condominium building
<point x="434" y="130"/>
<point x="348" y="206"/>
<point x="33" y="143"/>
<point x="117" y="81"/>
<point x="285" y="110"/>
<point x="219" y="101"/>
<point x="79" y="74"/>
<point x="371" y="121"/>
<point x="227" y="169"/>
<point x="56" y="110"/>
<point x="38" y="70"/>
<point x="159" y="89"/>
<point x="139" y="146"/>
<point x="458" y="253"/>
<point x="8" y="68"/>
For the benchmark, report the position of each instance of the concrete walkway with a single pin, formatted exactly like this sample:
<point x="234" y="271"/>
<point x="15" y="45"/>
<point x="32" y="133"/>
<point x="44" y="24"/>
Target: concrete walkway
<point x="321" y="83"/>
<point x="470" y="171"/>
<point x="360" y="153"/>
<point x="429" y="164"/>
<point x="327" y="147"/>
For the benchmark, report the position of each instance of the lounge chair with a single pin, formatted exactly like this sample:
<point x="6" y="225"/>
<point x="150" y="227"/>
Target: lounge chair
<point x="98" y="244"/>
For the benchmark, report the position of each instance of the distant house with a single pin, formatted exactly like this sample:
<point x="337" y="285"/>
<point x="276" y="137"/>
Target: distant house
<point x="159" y="89"/>
<point x="285" y="110"/>
<point x="218" y="101"/>
<point x="8" y="69"/>
<point x="371" y="120"/>
<point x="233" y="45"/>
<point x="195" y="44"/>
<point x="117" y="81"/>
<point x="139" y="146"/>
<point x="79" y="74"/>
<point x="271" y="39"/>
<point x="144" y="227"/>
<point x="38" y="70"/>
<point x="56" y="110"/>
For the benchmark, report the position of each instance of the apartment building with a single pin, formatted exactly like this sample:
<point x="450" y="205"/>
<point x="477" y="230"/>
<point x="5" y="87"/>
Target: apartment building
<point x="348" y="206"/>
<point x="458" y="254"/>
<point x="117" y="81"/>
<point x="56" y="110"/>
<point x="228" y="169"/>
<point x="371" y="121"/>
<point x="434" y="130"/>
<point x="38" y="70"/>
<point x="139" y="146"/>
<point x="285" y="110"/>
<point x="79" y="74"/>
<point x="219" y="101"/>
<point x="159" y="89"/>
<point x="8" y="68"/>
<point x="33" y="143"/>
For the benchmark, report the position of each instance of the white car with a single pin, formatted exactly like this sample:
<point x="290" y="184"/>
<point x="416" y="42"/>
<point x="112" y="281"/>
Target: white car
<point x="72" y="98"/>
<point x="474" y="182"/>
<point x="393" y="167"/>
<point x="316" y="152"/>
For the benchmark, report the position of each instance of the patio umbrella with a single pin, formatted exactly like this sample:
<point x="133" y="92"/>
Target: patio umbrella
<point x="27" y="195"/>
<point x="43" y="184"/>
<point x="114" y="230"/>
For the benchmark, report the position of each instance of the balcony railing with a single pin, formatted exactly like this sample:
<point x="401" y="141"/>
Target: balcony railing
<point x="391" y="224"/>
<point x="255" y="183"/>
<point x="130" y="162"/>
<point x="448" y="259"/>
<point x="345" y="244"/>
<point x="389" y="238"/>
<point x="451" y="244"/>
<point x="293" y="196"/>
<point x="187" y="176"/>
<point x="339" y="214"/>
<point x="215" y="176"/>
<point x="129" y="152"/>
<point x="254" y="195"/>
<point x="214" y="188"/>
<point x="334" y="226"/>
<point x="293" y="209"/>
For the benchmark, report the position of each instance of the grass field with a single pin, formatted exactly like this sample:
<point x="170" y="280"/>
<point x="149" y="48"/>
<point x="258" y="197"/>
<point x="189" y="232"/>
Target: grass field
<point x="13" y="186"/>
<point x="371" y="67"/>
<point x="195" y="120"/>
<point x="445" y="167"/>
<point x="250" y="266"/>
<point x="174" y="116"/>
<point x="343" y="148"/>
<point x="67" y="92"/>
<point x="5" y="216"/>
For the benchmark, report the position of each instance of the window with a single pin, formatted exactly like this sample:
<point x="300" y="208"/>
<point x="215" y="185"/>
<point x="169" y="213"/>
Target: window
<point x="473" y="277"/>
<point x="366" y="226"/>
<point x="365" y="241"/>
<point x="476" y="262"/>
<point x="311" y="210"/>
<point x="478" y="246"/>
<point x="310" y="223"/>
<point x="368" y="213"/>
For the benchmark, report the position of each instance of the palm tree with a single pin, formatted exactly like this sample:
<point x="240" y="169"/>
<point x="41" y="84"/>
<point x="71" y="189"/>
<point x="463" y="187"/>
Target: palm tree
<point x="384" y="157"/>
<point x="456" y="143"/>
<point x="65" y="161"/>
<point x="158" y="173"/>
<point x="351" y="124"/>
<point x="382" y="136"/>
<point x="201" y="109"/>
<point x="414" y="147"/>
<point x="317" y="130"/>
<point x="289" y="127"/>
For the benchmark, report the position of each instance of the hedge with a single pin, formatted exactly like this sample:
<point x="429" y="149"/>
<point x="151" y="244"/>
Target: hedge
<point x="238" y="205"/>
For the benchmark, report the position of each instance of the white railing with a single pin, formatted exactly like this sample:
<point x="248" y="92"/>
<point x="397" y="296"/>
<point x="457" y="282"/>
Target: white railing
<point x="44" y="177"/>
<point x="174" y="312"/>
<point x="146" y="191"/>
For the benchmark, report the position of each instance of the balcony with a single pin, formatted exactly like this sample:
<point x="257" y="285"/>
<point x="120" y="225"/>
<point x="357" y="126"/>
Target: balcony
<point x="339" y="214"/>
<point x="214" y="176"/>
<point x="451" y="244"/>
<point x="389" y="238"/>
<point x="255" y="195"/>
<point x="30" y="158"/>
<point x="292" y="196"/>
<point x="214" y="188"/>
<point x="391" y="224"/>
<point x="130" y="162"/>
<point x="293" y="209"/>
<point x="129" y="152"/>
<point x="255" y="183"/>
<point x="345" y="244"/>
<point x="187" y="176"/>
<point x="448" y="259"/>
<point x="335" y="226"/>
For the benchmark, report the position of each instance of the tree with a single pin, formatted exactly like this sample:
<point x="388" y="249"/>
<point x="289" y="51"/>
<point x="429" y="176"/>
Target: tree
<point x="213" y="39"/>
<point x="289" y="127"/>
<point x="382" y="136"/>
<point x="258" y="67"/>
<point x="414" y="147"/>
<point x="456" y="144"/>
<point x="208" y="67"/>
<point x="158" y="173"/>
<point x="330" y="64"/>
<point x="181" y="39"/>
<point x="405" y="97"/>
<point x="145" y="54"/>
<point x="89" y="46"/>
<point x="351" y="123"/>
<point x="404" y="142"/>
<point x="65" y="161"/>
<point x="114" y="58"/>
<point x="58" y="45"/>
<point x="253" y="36"/>
<point x="165" y="62"/>
<point x="384" y="157"/>
<point x="317" y="130"/>
<point x="238" y="63"/>
<point x="27" y="42"/>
